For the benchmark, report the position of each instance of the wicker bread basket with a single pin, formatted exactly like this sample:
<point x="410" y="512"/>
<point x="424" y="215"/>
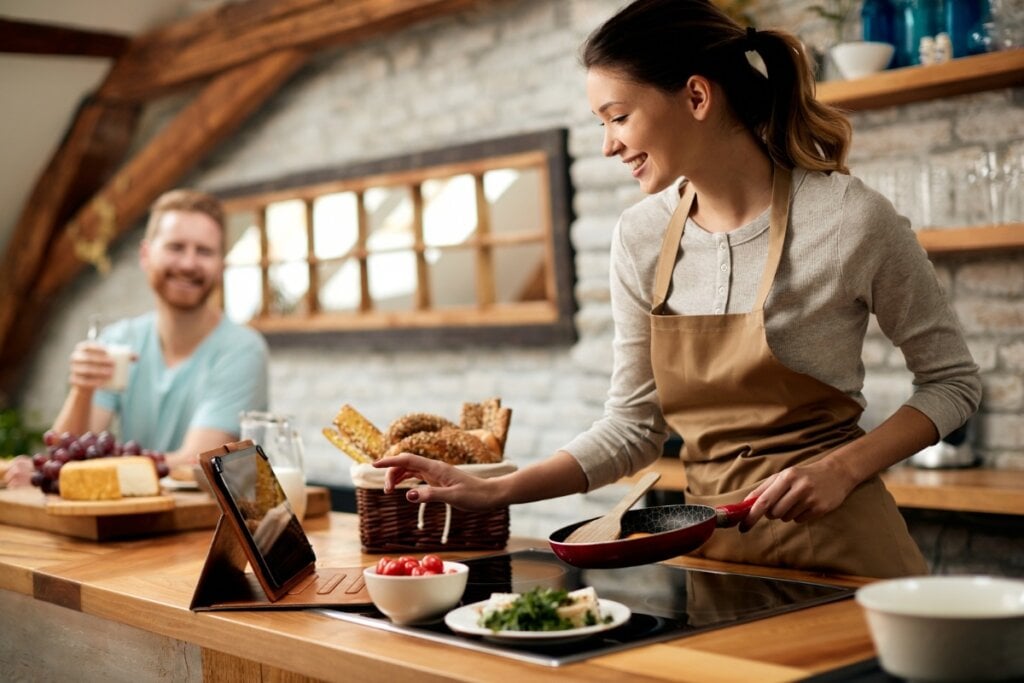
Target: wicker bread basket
<point x="388" y="523"/>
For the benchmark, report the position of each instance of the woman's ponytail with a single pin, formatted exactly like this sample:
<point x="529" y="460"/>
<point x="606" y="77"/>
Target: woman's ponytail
<point x="664" y="42"/>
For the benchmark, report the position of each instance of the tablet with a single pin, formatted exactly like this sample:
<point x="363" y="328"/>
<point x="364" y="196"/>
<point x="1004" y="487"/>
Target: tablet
<point x="277" y="546"/>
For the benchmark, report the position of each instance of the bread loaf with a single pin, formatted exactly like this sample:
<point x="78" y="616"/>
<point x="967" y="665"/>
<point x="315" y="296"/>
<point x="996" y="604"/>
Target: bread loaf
<point x="109" y="478"/>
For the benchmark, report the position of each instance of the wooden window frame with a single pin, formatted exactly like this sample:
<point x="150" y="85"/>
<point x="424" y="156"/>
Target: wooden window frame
<point x="546" y="322"/>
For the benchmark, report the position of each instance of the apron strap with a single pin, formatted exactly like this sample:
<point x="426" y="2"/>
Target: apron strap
<point x="778" y="223"/>
<point x="670" y="247"/>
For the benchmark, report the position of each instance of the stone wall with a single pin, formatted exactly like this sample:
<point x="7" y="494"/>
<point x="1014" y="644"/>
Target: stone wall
<point x="502" y="69"/>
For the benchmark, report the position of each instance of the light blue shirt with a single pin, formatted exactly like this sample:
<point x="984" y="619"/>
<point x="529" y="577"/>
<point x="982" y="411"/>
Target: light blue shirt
<point x="225" y="375"/>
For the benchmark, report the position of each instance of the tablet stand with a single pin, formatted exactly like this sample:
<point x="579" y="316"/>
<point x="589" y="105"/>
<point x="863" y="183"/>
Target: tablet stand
<point x="224" y="583"/>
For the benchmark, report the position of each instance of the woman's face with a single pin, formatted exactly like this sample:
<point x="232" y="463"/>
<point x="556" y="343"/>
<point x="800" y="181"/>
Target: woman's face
<point x="651" y="131"/>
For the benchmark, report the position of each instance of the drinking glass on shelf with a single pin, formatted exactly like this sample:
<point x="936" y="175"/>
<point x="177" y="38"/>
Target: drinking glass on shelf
<point x="279" y="440"/>
<point x="978" y="191"/>
<point x="1012" y="205"/>
<point x="942" y="179"/>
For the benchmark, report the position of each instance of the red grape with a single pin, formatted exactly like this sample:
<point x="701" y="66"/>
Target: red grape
<point x="51" y="438"/>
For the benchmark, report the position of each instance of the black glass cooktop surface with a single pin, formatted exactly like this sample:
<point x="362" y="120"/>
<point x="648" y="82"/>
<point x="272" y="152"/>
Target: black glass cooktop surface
<point x="666" y="602"/>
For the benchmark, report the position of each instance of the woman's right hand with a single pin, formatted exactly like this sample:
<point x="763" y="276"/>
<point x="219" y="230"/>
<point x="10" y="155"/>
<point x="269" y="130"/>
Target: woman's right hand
<point x="91" y="366"/>
<point x="444" y="483"/>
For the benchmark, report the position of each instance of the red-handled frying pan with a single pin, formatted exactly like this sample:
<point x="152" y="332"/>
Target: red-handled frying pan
<point x="663" y="531"/>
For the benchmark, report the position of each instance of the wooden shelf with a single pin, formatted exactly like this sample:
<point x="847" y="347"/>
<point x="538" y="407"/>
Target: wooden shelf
<point x="916" y="83"/>
<point x="972" y="239"/>
<point x="966" y="490"/>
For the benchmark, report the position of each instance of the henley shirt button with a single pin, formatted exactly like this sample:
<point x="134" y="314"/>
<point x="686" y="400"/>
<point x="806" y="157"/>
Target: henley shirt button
<point x="721" y="290"/>
<point x="718" y="310"/>
<point x="724" y="268"/>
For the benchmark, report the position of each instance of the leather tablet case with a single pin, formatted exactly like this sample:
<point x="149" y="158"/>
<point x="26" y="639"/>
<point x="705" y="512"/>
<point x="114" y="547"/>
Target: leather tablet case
<point x="224" y="583"/>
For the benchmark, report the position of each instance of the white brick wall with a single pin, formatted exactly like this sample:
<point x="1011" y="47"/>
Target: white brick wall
<point x="508" y="68"/>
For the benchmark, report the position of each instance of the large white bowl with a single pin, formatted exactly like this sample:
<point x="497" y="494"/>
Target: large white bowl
<point x="855" y="60"/>
<point x="947" y="628"/>
<point x="411" y="599"/>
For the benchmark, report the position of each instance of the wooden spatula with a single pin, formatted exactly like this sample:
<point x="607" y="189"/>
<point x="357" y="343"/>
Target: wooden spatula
<point x="609" y="527"/>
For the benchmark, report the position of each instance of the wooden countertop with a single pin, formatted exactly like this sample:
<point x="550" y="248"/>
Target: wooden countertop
<point x="148" y="584"/>
<point x="962" y="490"/>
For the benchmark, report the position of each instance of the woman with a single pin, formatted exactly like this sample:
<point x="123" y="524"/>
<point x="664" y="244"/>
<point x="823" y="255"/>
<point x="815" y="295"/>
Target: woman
<point x="740" y="325"/>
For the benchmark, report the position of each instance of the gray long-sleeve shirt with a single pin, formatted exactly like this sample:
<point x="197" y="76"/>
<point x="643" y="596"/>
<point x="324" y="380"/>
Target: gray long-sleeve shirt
<point x="848" y="254"/>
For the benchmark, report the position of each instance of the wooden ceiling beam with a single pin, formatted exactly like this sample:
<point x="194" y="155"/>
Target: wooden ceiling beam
<point x="93" y="147"/>
<point x="214" y="114"/>
<point x="224" y="37"/>
<point x="50" y="39"/>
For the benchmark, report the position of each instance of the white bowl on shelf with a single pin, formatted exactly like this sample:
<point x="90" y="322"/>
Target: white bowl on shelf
<point x="862" y="58"/>
<point x="947" y="628"/>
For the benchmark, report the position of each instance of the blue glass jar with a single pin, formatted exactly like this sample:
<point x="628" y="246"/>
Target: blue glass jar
<point x="962" y="17"/>
<point x="915" y="19"/>
<point x="877" y="21"/>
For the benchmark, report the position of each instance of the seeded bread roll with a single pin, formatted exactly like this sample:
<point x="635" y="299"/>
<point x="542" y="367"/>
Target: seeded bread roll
<point x="413" y="423"/>
<point x="451" y="445"/>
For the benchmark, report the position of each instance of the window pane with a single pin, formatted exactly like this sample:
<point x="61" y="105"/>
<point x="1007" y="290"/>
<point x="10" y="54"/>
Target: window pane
<point x="515" y="199"/>
<point x="289" y="283"/>
<point x="243" y="293"/>
<point x="335" y="224"/>
<point x="286" y="230"/>
<point x="392" y="280"/>
<point x="520" y="273"/>
<point x="452" y="275"/>
<point x="449" y="213"/>
<point x="242" y="240"/>
<point x="389" y="215"/>
<point x="339" y="286"/>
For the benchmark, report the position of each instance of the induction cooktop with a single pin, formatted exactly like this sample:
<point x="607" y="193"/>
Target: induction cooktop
<point x="666" y="602"/>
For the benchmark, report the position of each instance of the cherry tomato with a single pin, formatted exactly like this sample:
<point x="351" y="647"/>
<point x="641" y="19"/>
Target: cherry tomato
<point x="410" y="565"/>
<point x="406" y="558"/>
<point x="382" y="563"/>
<point x="433" y="563"/>
<point x="417" y="571"/>
<point x="394" y="568"/>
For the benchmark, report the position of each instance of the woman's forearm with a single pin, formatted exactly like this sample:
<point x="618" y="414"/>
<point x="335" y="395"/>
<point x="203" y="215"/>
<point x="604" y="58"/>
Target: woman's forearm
<point x="906" y="432"/>
<point x="559" y="475"/>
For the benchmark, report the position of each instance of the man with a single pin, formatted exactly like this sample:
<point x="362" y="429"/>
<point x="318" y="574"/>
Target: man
<point x="195" y="370"/>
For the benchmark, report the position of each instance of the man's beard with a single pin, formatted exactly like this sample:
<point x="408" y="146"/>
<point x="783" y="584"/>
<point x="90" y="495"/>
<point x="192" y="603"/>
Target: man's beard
<point x="175" y="299"/>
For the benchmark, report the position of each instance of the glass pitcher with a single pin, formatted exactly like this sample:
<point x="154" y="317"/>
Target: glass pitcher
<point x="281" y="443"/>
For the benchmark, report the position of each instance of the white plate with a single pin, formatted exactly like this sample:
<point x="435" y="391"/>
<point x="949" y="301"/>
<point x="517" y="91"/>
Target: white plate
<point x="178" y="485"/>
<point x="465" y="620"/>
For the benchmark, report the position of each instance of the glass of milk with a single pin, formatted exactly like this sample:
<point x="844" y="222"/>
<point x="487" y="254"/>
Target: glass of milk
<point x="283" y="447"/>
<point x="121" y="354"/>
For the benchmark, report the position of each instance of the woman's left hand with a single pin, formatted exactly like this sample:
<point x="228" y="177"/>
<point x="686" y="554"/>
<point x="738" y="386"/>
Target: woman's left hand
<point x="800" y="493"/>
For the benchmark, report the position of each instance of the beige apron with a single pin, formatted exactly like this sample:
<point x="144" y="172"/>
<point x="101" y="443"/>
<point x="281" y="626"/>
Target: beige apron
<point x="744" y="416"/>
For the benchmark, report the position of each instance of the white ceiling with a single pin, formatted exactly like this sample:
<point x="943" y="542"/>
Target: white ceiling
<point x="41" y="93"/>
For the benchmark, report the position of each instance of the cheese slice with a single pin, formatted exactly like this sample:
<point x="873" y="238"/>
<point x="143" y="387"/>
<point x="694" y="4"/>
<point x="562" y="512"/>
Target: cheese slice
<point x="109" y="478"/>
<point x="584" y="601"/>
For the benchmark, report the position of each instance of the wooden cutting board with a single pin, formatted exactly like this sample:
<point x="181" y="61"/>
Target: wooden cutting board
<point x="101" y="508"/>
<point x="27" y="507"/>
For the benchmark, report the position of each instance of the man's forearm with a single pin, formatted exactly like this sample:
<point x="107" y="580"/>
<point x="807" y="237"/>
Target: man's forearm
<point x="75" y="414"/>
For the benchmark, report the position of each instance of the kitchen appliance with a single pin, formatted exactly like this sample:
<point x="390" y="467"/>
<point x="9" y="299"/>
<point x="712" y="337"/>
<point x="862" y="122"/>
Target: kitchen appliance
<point x="955" y="450"/>
<point x="666" y="602"/>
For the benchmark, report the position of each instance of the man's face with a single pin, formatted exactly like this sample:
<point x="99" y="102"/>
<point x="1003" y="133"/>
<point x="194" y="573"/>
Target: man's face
<point x="183" y="260"/>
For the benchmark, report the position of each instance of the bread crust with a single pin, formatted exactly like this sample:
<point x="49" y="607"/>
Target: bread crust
<point x="451" y="445"/>
<point x="414" y="423"/>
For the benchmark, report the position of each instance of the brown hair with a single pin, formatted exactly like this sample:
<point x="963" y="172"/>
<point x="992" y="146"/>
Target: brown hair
<point x="662" y="43"/>
<point x="186" y="200"/>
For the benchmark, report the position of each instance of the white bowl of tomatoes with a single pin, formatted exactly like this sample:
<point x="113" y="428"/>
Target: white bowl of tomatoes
<point x="410" y="590"/>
